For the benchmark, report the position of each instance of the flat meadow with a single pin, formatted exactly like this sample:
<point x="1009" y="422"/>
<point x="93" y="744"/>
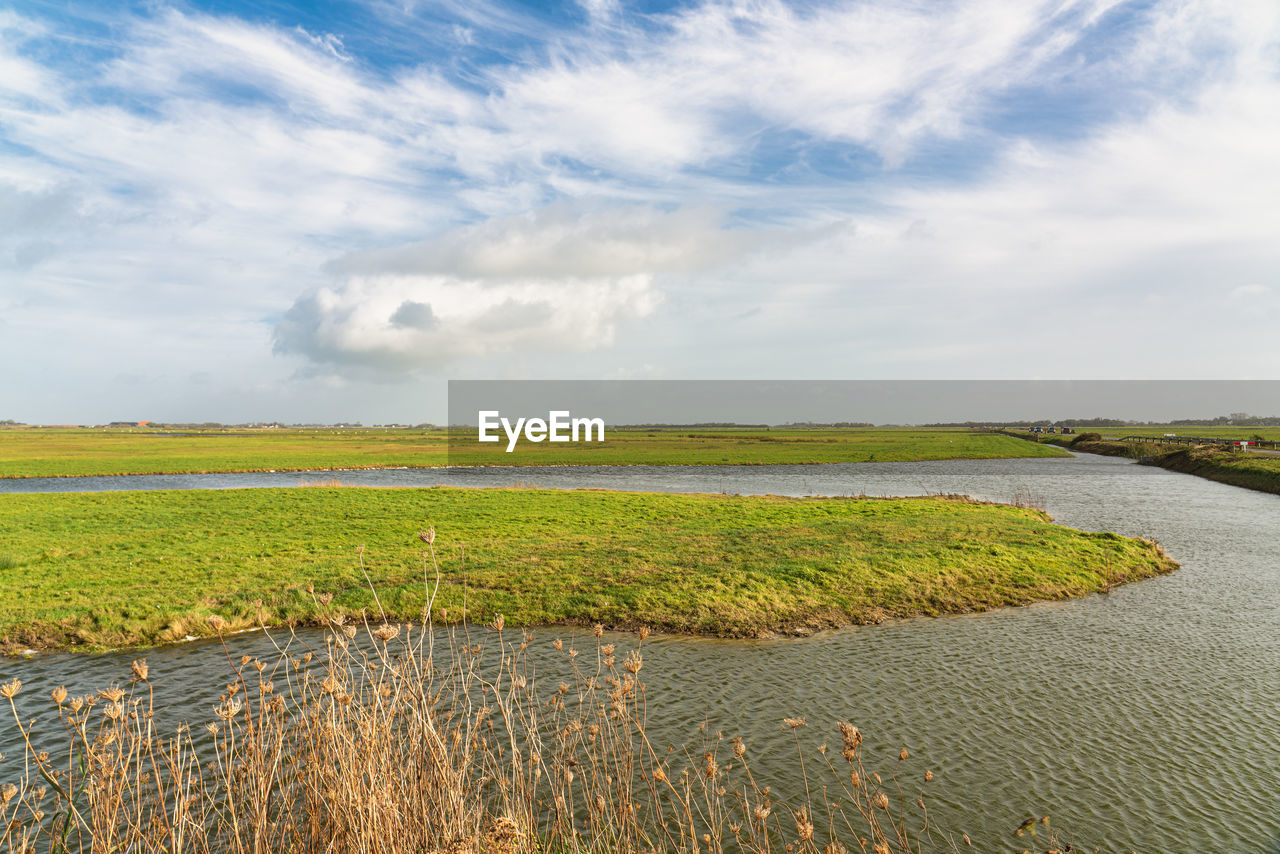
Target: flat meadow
<point x="68" y="452"/>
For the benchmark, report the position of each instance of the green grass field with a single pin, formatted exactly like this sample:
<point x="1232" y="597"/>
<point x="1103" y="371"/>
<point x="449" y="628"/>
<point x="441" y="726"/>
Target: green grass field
<point x="48" y="452"/>
<point x="98" y="570"/>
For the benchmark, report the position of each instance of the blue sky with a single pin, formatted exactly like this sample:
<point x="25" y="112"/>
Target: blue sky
<point x="321" y="211"/>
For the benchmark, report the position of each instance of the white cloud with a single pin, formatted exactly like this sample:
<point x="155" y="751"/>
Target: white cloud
<point x="561" y="240"/>
<point x="216" y="172"/>
<point x="884" y="76"/>
<point x="559" y="279"/>
<point x="1250" y="292"/>
<point x="425" y="322"/>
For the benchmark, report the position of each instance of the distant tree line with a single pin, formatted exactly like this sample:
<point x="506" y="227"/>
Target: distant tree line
<point x="1235" y="419"/>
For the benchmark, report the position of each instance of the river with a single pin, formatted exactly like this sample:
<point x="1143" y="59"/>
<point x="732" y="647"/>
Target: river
<point x="1146" y="720"/>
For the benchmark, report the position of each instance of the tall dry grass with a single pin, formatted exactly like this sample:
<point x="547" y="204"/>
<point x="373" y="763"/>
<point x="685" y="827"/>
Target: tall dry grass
<point x="398" y="738"/>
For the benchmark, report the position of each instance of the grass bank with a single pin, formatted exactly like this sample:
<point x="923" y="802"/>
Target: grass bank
<point x="95" y="570"/>
<point x="31" y="452"/>
<point x="1250" y="471"/>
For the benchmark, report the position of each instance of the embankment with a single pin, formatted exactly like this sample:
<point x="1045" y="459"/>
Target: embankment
<point x="1250" y="472"/>
<point x="1261" y="473"/>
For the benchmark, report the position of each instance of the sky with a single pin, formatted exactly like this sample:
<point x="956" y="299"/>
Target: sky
<point x="227" y="211"/>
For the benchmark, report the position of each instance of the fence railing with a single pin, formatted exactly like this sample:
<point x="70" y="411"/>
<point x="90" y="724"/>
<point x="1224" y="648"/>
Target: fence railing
<point x="1201" y="440"/>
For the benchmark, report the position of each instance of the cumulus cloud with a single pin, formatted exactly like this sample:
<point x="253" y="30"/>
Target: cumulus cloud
<point x="400" y="323"/>
<point x="554" y="280"/>
<point x="559" y="279"/>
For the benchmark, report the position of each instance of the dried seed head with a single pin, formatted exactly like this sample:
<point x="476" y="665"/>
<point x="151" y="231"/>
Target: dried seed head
<point x="217" y="623"/>
<point x="633" y="662"/>
<point x="360" y="549"/>
<point x="967" y="840"/>
<point x="928" y="776"/>
<point x="710" y="768"/>
<point x="880" y="848"/>
<point x="643" y="632"/>
<point x="59" y="695"/>
<point x="794" y="723"/>
<point x="7" y="792"/>
<point x="804" y="828"/>
<point x="10" y="689"/>
<point x="349" y="631"/>
<point x="881" y="800"/>
<point x="114" y="695"/>
<point x="498" y="622"/>
<point x="386" y="633"/>
<point x="599" y="630"/>
<point x="761" y="812"/>
<point x="428" y="536"/>
<point x="229" y="709"/>
<point x="608" y="649"/>
<point x="902" y="755"/>
<point x="557" y="644"/>
<point x="739" y="747"/>
<point x="140" y="669"/>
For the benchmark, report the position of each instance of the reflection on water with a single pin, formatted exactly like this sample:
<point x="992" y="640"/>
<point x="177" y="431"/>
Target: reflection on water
<point x="1144" y="720"/>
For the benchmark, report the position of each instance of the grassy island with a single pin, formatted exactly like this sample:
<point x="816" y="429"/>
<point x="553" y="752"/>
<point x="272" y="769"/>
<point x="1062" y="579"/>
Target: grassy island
<point x="57" y="452"/>
<point x="99" y="570"/>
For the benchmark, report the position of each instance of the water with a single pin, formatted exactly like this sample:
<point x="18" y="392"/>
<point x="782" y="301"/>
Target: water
<point x="1145" y="720"/>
